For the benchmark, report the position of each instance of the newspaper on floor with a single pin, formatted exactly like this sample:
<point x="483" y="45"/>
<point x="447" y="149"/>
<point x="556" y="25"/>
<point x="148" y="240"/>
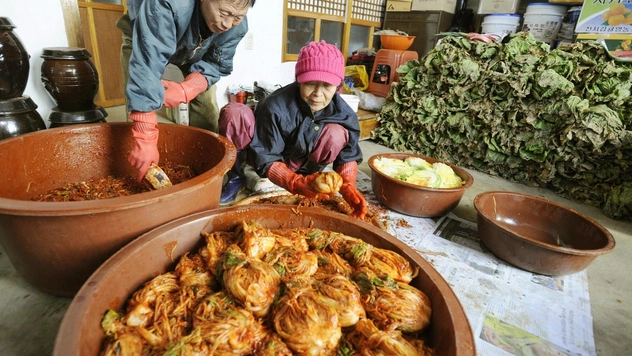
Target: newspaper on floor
<point x="511" y="311"/>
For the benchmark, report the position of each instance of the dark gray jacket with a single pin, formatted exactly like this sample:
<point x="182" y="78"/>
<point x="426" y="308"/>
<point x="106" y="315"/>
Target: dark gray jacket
<point x="286" y="129"/>
<point x="168" y="31"/>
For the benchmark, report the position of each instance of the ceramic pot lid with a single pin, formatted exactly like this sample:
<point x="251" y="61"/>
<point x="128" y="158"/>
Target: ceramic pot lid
<point x="6" y="24"/>
<point x="65" y="53"/>
<point x="17" y="105"/>
<point x="75" y="117"/>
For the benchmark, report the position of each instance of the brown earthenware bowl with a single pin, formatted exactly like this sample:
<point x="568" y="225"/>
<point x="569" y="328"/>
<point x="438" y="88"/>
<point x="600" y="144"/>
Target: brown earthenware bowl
<point x="55" y="246"/>
<point x="539" y="235"/>
<point x="415" y="200"/>
<point x="157" y="251"/>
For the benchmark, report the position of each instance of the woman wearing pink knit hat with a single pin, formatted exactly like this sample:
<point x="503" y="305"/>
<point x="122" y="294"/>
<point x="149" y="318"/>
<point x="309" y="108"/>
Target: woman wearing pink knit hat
<point x="299" y="130"/>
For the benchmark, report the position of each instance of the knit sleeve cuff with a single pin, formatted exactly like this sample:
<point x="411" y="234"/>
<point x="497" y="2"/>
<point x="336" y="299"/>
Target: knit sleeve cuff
<point x="280" y="174"/>
<point x="144" y="122"/>
<point x="194" y="84"/>
<point x="348" y="171"/>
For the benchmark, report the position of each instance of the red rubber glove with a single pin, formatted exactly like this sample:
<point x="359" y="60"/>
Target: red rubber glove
<point x="145" y="132"/>
<point x="351" y="194"/>
<point x="281" y="175"/>
<point x="177" y="93"/>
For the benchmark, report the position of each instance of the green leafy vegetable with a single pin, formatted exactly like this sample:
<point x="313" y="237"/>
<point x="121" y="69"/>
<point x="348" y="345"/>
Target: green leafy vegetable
<point x="557" y="119"/>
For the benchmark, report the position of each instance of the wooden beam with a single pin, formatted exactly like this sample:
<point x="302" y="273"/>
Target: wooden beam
<point x="72" y="21"/>
<point x="100" y="6"/>
<point x="346" y="31"/>
<point x="96" y="55"/>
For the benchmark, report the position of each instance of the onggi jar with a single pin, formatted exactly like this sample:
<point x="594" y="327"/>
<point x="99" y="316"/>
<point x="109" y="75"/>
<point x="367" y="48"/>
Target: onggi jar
<point x="14" y="62"/>
<point x="70" y="77"/>
<point x="18" y="116"/>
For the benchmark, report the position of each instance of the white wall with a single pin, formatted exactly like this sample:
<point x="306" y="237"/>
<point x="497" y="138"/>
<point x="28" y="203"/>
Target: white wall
<point x="40" y="24"/>
<point x="263" y="63"/>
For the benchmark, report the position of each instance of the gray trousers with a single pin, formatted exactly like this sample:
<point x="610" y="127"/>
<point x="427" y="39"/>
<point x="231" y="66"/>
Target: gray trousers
<point x="203" y="110"/>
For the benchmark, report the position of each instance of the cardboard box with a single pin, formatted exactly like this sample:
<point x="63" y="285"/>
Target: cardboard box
<point x="493" y="6"/>
<point x="398" y="5"/>
<point x="612" y="18"/>
<point x="434" y="5"/>
<point x="619" y="44"/>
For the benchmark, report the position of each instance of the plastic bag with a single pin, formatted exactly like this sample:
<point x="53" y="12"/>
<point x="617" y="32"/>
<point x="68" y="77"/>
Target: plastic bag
<point x="263" y="89"/>
<point x="356" y="77"/>
<point x="369" y="102"/>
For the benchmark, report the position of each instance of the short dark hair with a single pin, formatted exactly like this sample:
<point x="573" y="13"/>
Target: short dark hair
<point x="250" y="3"/>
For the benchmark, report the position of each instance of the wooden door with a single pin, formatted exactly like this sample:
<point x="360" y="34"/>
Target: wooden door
<point x="91" y="24"/>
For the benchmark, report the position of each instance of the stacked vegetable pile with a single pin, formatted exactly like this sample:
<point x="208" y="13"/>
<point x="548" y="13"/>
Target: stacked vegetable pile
<point x="556" y="119"/>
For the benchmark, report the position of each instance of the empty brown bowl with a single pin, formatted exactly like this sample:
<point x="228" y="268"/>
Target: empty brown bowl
<point x="539" y="235"/>
<point x="55" y="246"/>
<point x="415" y="200"/>
<point x="158" y="251"/>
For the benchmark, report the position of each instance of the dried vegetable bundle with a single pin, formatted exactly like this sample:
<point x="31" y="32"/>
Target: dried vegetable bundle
<point x="556" y="119"/>
<point x="260" y="291"/>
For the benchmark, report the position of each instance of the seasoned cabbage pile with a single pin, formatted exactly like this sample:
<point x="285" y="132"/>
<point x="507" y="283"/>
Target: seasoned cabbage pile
<point x="556" y="119"/>
<point x="259" y="291"/>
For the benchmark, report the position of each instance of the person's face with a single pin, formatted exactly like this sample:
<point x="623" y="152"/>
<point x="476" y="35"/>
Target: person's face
<point x="221" y="15"/>
<point x="317" y="94"/>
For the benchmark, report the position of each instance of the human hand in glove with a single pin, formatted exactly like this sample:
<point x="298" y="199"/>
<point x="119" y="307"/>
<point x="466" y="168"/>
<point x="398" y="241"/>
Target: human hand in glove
<point x="351" y="194"/>
<point x="177" y="93"/>
<point x="145" y="132"/>
<point x="281" y="175"/>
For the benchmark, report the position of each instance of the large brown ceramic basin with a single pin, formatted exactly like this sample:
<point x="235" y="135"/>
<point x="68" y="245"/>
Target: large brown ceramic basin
<point x="157" y="252"/>
<point x="55" y="246"/>
<point x="415" y="200"/>
<point x="539" y="235"/>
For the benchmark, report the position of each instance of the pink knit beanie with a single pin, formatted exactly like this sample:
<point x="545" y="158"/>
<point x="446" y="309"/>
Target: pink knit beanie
<point x="320" y="62"/>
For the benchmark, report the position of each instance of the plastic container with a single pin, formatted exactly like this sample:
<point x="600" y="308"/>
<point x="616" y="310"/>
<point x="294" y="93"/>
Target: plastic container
<point x="397" y="42"/>
<point x="569" y="21"/>
<point x="500" y="24"/>
<point x="544" y="21"/>
<point x="352" y="100"/>
<point x="385" y="69"/>
<point x="241" y="97"/>
<point x="482" y="7"/>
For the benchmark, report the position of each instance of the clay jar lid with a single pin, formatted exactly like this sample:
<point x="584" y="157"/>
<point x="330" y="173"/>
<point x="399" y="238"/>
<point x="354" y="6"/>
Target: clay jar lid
<point x="6" y="24"/>
<point x="73" y="53"/>
<point x="77" y="117"/>
<point x="17" y="105"/>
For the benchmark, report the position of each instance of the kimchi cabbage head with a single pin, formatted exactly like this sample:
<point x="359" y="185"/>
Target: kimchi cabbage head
<point x="417" y="171"/>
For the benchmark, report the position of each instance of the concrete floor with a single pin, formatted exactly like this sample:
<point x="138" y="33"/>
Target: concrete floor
<point x="29" y="319"/>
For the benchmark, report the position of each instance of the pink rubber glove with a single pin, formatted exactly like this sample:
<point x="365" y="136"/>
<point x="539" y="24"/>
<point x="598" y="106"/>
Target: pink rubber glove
<point x="145" y="132"/>
<point x="281" y="175"/>
<point x="351" y="194"/>
<point x="177" y="93"/>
